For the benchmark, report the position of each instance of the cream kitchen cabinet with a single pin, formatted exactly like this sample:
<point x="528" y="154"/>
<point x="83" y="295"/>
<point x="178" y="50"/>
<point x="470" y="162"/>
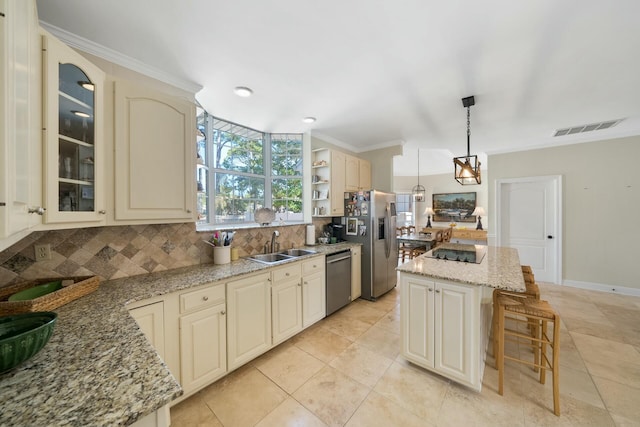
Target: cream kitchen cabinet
<point x="20" y="120"/>
<point x="203" y="337"/>
<point x="314" y="303"/>
<point x="150" y="318"/>
<point x="248" y="319"/>
<point x="74" y="136"/>
<point x="357" y="174"/>
<point x="155" y="156"/>
<point x="352" y="173"/>
<point x="364" y="174"/>
<point x="286" y="302"/>
<point x="356" y="272"/>
<point x="438" y="328"/>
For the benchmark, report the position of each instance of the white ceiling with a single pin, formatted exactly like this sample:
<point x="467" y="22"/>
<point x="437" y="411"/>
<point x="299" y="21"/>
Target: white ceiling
<point x="377" y="72"/>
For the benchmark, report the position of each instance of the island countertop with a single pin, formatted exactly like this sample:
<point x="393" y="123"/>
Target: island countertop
<point x="98" y="369"/>
<point x="500" y="269"/>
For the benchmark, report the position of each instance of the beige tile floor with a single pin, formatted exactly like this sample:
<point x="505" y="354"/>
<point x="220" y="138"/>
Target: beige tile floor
<point x="346" y="371"/>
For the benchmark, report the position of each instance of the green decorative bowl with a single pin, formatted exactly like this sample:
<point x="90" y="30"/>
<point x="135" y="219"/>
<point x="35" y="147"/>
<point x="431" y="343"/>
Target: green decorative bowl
<point x="36" y="291"/>
<point x="22" y="336"/>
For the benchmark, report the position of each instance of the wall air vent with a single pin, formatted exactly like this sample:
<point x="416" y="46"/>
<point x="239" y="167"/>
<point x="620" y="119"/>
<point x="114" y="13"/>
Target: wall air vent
<point x="587" y="128"/>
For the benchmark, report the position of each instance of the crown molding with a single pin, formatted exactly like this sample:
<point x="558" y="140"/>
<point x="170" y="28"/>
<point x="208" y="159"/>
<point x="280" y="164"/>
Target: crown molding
<point x="118" y="58"/>
<point x="353" y="148"/>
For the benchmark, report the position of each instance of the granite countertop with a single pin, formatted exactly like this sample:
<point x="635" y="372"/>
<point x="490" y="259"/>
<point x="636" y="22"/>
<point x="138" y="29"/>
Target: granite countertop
<point x="98" y="368"/>
<point x="499" y="269"/>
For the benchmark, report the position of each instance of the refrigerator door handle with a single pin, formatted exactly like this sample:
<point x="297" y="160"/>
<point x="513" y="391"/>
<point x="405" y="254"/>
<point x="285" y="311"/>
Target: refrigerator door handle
<point x="387" y="220"/>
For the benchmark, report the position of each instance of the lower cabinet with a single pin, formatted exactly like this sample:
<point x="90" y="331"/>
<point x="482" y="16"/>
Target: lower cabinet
<point x="203" y="347"/>
<point x="356" y="272"/>
<point x="150" y="318"/>
<point x="441" y="328"/>
<point x="248" y="319"/>
<point x="286" y="302"/>
<point x="314" y="303"/>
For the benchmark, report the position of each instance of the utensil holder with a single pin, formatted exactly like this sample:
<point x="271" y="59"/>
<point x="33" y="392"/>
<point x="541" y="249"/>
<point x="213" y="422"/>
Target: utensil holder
<point x="222" y="254"/>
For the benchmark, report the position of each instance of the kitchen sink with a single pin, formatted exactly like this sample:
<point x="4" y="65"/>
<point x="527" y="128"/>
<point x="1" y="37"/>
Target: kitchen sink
<point x="299" y="252"/>
<point x="270" y="258"/>
<point x="278" y="257"/>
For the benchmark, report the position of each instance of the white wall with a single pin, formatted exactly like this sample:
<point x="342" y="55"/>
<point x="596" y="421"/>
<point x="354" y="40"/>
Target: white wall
<point x="444" y="183"/>
<point x="601" y="206"/>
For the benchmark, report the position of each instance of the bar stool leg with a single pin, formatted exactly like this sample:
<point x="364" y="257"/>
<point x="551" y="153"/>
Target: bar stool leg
<point x="543" y="353"/>
<point x="500" y="353"/>
<point x="556" y="365"/>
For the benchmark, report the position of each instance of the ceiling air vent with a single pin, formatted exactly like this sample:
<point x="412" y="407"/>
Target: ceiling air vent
<point x="586" y="128"/>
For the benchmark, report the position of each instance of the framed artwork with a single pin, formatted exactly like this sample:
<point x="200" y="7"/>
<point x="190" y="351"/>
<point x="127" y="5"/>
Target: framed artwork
<point x="454" y="207"/>
<point x="352" y="226"/>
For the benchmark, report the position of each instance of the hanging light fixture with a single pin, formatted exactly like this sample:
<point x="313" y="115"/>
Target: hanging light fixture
<point x="467" y="168"/>
<point x="418" y="190"/>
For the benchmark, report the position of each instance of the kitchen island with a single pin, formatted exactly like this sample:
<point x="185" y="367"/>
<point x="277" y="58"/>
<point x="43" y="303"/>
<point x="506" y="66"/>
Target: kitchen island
<point x="98" y="369"/>
<point x="445" y="310"/>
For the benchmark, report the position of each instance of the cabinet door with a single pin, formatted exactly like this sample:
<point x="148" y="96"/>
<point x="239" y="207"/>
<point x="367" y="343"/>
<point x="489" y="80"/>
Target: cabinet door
<point x="155" y="158"/>
<point x="314" y="303"/>
<point x="74" y="129"/>
<point x="248" y="319"/>
<point x="150" y="318"/>
<point x="356" y="273"/>
<point x="203" y="352"/>
<point x="20" y="120"/>
<point x="365" y="174"/>
<point x="286" y="310"/>
<point x="352" y="173"/>
<point x="417" y="320"/>
<point x="453" y="334"/>
<point x="337" y="183"/>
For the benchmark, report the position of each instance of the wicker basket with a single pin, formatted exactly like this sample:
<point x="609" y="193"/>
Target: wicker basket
<point x="82" y="286"/>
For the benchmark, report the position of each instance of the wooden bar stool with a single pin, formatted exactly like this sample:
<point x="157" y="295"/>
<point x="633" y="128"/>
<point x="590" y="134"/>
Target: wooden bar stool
<point x="536" y="313"/>
<point x="532" y="291"/>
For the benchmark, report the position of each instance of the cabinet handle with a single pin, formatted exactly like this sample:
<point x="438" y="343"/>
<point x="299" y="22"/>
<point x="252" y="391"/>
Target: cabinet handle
<point x="102" y="212"/>
<point x="205" y="298"/>
<point x="437" y="291"/>
<point x="223" y="312"/>
<point x="299" y="284"/>
<point x="286" y="274"/>
<point x="430" y="290"/>
<point x="306" y="283"/>
<point x="188" y="210"/>
<point x="314" y="266"/>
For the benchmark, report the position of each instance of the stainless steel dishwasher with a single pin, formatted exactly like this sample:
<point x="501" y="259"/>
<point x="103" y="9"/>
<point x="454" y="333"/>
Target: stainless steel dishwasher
<point x="338" y="280"/>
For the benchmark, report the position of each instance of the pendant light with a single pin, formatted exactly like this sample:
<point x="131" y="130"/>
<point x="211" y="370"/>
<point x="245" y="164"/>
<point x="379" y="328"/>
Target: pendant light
<point x="418" y="191"/>
<point x="467" y="168"/>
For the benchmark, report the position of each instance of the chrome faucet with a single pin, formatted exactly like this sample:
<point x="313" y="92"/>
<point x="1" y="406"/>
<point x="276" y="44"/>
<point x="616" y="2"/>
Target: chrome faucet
<point x="274" y="243"/>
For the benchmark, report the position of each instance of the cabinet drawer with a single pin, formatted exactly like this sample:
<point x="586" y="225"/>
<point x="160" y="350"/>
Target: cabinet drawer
<point x="201" y="298"/>
<point x="312" y="266"/>
<point x="286" y="273"/>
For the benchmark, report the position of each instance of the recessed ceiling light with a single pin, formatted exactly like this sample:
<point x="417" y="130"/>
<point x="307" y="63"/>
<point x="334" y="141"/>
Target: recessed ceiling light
<point x="80" y="113"/>
<point x="243" y="91"/>
<point x="309" y="119"/>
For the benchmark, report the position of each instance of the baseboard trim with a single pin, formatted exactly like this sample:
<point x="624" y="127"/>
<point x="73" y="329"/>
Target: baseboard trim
<point x="603" y="288"/>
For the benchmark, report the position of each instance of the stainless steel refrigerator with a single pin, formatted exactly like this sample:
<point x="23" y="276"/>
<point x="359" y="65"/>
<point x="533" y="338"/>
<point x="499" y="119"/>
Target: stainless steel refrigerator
<point x="370" y="219"/>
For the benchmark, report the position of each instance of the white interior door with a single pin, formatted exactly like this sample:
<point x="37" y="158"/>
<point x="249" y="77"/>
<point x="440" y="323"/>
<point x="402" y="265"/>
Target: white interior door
<point x="529" y="219"/>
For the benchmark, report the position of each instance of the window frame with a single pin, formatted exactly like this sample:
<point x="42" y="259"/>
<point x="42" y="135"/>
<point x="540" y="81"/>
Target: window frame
<point x="210" y="160"/>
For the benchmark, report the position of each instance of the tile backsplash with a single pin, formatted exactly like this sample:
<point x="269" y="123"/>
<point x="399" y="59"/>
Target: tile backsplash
<point x="129" y="250"/>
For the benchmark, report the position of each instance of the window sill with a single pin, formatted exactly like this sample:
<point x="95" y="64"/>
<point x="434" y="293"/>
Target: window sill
<point x="206" y="228"/>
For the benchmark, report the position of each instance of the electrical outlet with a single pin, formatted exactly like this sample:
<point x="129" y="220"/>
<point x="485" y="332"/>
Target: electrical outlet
<point x="43" y="252"/>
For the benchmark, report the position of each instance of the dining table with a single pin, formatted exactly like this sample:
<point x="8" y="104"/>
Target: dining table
<point x="417" y="239"/>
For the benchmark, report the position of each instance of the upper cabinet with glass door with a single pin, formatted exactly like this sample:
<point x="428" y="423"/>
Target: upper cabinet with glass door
<point x="73" y="161"/>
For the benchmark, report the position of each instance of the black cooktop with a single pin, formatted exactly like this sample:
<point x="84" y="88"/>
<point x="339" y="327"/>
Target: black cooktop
<point x="459" y="252"/>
